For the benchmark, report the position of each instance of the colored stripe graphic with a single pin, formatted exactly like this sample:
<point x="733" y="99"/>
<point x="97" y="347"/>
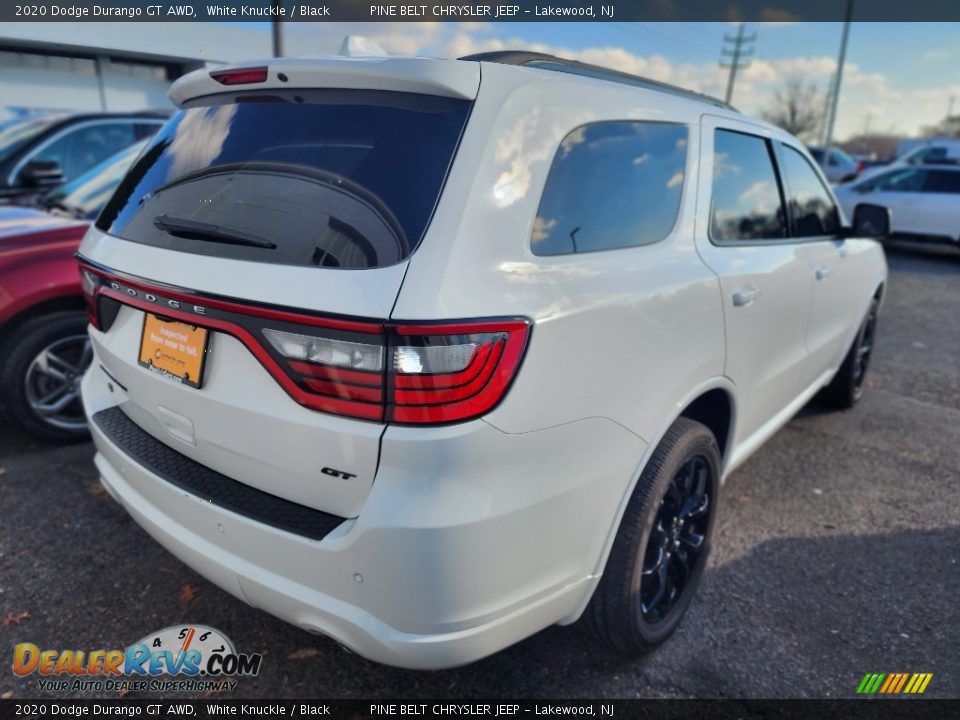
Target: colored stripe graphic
<point x="894" y="683"/>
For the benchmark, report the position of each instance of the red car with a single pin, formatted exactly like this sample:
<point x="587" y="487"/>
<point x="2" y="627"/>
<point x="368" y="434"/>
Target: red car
<point x="44" y="347"/>
<point x="43" y="338"/>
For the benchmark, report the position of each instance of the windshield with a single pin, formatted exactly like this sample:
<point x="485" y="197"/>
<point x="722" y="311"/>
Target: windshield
<point x="327" y="178"/>
<point x="86" y="195"/>
<point x="15" y="135"/>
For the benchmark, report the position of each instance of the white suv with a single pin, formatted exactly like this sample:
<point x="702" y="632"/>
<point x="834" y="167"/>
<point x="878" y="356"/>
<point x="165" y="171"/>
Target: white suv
<point x="428" y="355"/>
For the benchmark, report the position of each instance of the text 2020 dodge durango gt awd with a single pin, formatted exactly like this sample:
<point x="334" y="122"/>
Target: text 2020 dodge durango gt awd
<point x="427" y="355"/>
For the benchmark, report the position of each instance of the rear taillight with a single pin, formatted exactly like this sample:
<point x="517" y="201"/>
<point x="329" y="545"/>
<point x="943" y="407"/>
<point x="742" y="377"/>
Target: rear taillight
<point x="340" y="375"/>
<point x="410" y="372"/>
<point x="446" y="373"/>
<point x="240" y="76"/>
<point x="89" y="282"/>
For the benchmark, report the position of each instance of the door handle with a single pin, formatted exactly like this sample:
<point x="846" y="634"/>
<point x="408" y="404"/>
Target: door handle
<point x="823" y="272"/>
<point x="746" y="296"/>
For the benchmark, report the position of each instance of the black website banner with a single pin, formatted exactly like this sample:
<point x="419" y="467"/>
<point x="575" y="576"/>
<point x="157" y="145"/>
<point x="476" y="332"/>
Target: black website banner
<point x="497" y="11"/>
<point x="872" y="709"/>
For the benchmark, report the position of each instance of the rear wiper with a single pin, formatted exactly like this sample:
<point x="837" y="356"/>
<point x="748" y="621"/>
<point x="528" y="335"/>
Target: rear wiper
<point x="196" y="230"/>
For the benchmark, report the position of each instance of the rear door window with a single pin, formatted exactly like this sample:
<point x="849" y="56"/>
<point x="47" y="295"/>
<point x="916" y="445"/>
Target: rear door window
<point x="941" y="181"/>
<point x="747" y="202"/>
<point x="325" y="178"/>
<point x="813" y="210"/>
<point x="611" y="185"/>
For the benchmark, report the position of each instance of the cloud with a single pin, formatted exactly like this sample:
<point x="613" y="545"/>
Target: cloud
<point x="541" y="229"/>
<point x="867" y="96"/>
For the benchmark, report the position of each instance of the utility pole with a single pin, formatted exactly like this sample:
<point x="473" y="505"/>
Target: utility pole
<point x="737" y="55"/>
<point x="832" y="116"/>
<point x="827" y="102"/>
<point x="277" y="29"/>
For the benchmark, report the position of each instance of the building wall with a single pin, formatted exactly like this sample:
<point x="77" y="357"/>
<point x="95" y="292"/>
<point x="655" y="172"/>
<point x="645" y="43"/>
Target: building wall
<point x="53" y="66"/>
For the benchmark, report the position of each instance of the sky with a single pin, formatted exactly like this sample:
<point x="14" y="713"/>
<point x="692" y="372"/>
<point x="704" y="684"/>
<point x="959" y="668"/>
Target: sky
<point x="898" y="78"/>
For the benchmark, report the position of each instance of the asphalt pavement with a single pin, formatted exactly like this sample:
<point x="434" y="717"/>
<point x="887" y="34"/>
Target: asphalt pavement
<point x="837" y="553"/>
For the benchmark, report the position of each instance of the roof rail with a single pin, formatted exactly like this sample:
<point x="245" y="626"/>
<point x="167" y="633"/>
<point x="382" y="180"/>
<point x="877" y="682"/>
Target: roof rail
<point x="575" y="67"/>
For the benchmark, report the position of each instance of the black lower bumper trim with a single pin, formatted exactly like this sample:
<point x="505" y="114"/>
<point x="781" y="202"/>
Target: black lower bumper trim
<point x="209" y="485"/>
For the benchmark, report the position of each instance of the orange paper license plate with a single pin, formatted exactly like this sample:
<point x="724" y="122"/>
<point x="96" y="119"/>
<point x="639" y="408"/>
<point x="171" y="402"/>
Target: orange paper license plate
<point x="173" y="349"/>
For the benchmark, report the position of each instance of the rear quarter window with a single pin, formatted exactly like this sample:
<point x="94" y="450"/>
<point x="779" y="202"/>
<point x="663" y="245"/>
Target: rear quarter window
<point x="611" y="185"/>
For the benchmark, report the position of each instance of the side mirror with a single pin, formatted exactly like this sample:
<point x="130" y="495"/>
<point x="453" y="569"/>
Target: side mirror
<point x="41" y="173"/>
<point x="870" y="221"/>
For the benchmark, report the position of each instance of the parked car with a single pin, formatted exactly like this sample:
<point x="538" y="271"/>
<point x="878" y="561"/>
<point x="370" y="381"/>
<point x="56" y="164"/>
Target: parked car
<point x="920" y="151"/>
<point x="924" y="200"/>
<point x="44" y="347"/>
<point x="427" y="362"/>
<point x="840" y="167"/>
<point x="41" y="152"/>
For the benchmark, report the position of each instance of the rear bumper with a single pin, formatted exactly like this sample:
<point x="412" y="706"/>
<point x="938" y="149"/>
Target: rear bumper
<point x="470" y="540"/>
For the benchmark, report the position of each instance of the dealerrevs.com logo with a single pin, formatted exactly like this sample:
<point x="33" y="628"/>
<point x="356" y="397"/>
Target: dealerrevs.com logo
<point x="191" y="658"/>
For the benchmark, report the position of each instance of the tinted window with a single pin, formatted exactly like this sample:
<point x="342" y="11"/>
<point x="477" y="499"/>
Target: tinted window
<point x="611" y="185"/>
<point x="903" y="180"/>
<point x="146" y="129"/>
<point x="839" y="157"/>
<point x="79" y="150"/>
<point x="930" y="154"/>
<point x="814" y="212"/>
<point x="943" y="182"/>
<point x="746" y="201"/>
<point x="16" y="134"/>
<point x="817" y="154"/>
<point x="85" y="195"/>
<point x="332" y="178"/>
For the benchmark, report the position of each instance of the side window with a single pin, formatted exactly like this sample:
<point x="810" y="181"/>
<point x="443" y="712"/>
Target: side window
<point x="79" y="150"/>
<point x="746" y="203"/>
<point x="145" y="130"/>
<point x="611" y="185"/>
<point x="811" y="206"/>
<point x="932" y="154"/>
<point x="943" y="181"/>
<point x="901" y="181"/>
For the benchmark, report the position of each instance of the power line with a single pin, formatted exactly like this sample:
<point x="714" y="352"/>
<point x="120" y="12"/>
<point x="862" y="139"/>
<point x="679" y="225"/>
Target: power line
<point x="737" y="55"/>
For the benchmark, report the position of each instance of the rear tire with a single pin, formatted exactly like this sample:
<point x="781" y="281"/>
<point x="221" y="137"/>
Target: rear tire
<point x="40" y="376"/>
<point x="846" y="388"/>
<point x="662" y="545"/>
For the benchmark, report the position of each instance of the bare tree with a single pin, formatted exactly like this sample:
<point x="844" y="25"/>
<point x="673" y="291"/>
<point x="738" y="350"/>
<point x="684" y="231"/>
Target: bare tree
<point x="797" y="108"/>
<point x="949" y="127"/>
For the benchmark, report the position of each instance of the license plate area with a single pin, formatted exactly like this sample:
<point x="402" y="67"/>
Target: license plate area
<point x="173" y="349"/>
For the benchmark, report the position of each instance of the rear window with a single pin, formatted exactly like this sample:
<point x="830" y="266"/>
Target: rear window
<point x="328" y="178"/>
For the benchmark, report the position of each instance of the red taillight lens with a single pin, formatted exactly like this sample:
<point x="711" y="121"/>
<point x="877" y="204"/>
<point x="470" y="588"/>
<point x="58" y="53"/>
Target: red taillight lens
<point x="409" y="373"/>
<point x="342" y="373"/>
<point x="240" y="76"/>
<point x="453" y="372"/>
<point x="89" y="283"/>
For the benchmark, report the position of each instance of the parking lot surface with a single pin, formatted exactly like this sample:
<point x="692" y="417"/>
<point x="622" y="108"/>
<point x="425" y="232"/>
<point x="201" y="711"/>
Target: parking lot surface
<point x="837" y="553"/>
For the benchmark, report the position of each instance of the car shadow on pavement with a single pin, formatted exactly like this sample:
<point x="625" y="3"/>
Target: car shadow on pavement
<point x="793" y="617"/>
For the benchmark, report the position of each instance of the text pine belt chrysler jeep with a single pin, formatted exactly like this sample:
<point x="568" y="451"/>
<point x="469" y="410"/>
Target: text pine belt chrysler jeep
<point x="428" y="355"/>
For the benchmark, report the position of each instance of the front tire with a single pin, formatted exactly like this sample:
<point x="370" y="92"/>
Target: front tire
<point x="40" y="377"/>
<point x="661" y="547"/>
<point x="846" y="388"/>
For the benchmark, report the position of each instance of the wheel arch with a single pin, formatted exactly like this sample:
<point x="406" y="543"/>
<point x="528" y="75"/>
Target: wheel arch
<point x="708" y="400"/>
<point x="60" y="303"/>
